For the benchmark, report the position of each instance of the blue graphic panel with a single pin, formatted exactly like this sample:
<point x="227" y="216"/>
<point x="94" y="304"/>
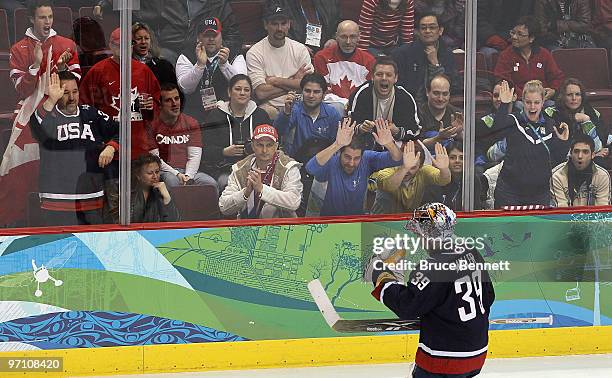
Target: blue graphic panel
<point x="84" y="329"/>
<point x="64" y="253"/>
<point x="160" y="237"/>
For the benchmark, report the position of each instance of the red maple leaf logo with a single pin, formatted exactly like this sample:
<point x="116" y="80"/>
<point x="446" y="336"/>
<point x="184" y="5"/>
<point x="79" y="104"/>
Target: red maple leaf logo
<point x="344" y="89"/>
<point x="25" y="137"/>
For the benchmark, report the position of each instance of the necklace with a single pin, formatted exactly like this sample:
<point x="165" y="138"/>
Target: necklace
<point x="233" y="113"/>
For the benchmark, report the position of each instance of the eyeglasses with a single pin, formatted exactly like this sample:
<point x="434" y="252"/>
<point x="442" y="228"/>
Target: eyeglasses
<point x="514" y="33"/>
<point x="348" y="37"/>
<point x="429" y="27"/>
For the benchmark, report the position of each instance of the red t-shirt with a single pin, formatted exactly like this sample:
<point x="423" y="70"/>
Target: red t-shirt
<point x="173" y="140"/>
<point x="100" y="88"/>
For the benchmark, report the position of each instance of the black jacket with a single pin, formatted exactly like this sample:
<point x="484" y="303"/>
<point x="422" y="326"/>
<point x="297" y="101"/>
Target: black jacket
<point x="162" y="69"/>
<point x="152" y="209"/>
<point x="413" y="67"/>
<point x="405" y="111"/>
<point x="452" y="194"/>
<point x="530" y="156"/>
<point x="169" y="20"/>
<point x="216" y="136"/>
<point x="553" y="23"/>
<point x="497" y="17"/>
<point x="329" y="17"/>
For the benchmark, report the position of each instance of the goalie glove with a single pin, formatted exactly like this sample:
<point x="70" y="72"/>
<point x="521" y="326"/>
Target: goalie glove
<point x="379" y="279"/>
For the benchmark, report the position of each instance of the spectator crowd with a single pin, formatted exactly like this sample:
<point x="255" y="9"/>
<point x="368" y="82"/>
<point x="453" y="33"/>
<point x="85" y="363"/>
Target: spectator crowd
<point x="326" y="115"/>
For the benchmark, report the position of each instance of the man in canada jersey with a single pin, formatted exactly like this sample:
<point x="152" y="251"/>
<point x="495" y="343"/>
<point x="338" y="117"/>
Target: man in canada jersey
<point x="177" y="141"/>
<point x="100" y="88"/>
<point x="29" y="55"/>
<point x="453" y="305"/>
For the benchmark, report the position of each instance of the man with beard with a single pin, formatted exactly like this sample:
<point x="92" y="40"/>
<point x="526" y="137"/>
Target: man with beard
<point x="382" y="99"/>
<point x="494" y="151"/>
<point x="344" y="65"/>
<point x="314" y="21"/>
<point x="276" y="64"/>
<point x="205" y="82"/>
<point x="579" y="181"/>
<point x="452" y="194"/>
<point x="76" y="142"/>
<point x="346" y="165"/>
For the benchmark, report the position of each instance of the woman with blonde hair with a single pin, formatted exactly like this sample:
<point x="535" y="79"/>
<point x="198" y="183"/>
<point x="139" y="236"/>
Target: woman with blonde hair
<point x="145" y="50"/>
<point x="536" y="143"/>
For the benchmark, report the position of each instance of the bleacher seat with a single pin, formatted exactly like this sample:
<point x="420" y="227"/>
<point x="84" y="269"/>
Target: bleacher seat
<point x="350" y="9"/>
<point x="481" y="62"/>
<point x="606" y="113"/>
<point x="109" y="21"/>
<point x="196" y="202"/>
<point x="249" y="16"/>
<point x="8" y="96"/>
<point x="591" y="67"/>
<point x="588" y="65"/>
<point x="606" y="116"/>
<point x="34" y="214"/>
<point x="5" y="44"/>
<point x="62" y="21"/>
<point x="90" y="37"/>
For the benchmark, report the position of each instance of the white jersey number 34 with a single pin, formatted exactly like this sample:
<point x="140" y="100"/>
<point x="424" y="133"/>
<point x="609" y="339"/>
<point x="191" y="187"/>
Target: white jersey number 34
<point x="470" y="288"/>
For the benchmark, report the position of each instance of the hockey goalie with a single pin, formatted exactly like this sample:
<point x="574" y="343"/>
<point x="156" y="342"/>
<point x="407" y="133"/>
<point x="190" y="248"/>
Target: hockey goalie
<point x="452" y="304"/>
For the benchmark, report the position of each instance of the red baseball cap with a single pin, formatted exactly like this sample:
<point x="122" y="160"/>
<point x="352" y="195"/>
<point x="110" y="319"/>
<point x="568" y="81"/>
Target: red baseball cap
<point x="115" y="37"/>
<point x="265" y="130"/>
<point x="210" y="24"/>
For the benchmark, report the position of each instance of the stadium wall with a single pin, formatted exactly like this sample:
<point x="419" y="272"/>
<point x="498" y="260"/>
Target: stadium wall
<point x="217" y="297"/>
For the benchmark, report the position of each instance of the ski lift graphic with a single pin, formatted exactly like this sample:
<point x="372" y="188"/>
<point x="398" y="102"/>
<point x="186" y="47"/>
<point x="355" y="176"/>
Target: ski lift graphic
<point x="42" y="274"/>
<point x="573" y="294"/>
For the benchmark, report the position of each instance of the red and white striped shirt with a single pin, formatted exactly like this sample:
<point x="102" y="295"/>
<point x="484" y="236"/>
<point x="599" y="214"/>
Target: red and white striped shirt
<point x="386" y="27"/>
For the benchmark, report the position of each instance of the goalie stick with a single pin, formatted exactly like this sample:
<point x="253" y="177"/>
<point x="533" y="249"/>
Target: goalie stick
<point x="338" y="324"/>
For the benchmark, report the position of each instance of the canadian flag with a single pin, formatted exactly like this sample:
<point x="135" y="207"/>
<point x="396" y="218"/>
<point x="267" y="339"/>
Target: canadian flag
<point x="20" y="163"/>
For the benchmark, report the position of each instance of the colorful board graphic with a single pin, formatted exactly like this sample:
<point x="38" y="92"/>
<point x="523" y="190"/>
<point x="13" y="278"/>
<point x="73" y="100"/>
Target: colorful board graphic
<point x="249" y="283"/>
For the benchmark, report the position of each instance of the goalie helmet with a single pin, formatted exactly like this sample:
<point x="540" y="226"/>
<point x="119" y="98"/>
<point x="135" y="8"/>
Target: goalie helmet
<point x="433" y="220"/>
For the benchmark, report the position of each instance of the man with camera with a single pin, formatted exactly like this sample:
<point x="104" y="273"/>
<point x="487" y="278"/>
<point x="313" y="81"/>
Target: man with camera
<point x="205" y="68"/>
<point x="307" y="119"/>
<point x="177" y="141"/>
